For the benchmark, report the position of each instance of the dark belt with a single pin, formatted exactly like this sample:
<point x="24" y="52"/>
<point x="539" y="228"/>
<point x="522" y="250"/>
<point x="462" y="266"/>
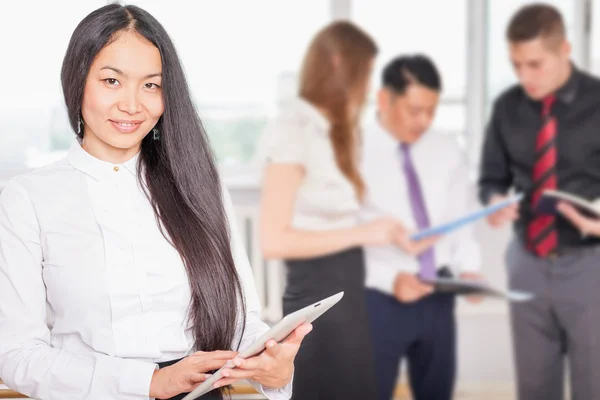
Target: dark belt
<point x="572" y="251"/>
<point x="213" y="395"/>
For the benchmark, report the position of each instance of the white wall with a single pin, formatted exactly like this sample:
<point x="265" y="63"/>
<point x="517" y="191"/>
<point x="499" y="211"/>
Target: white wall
<point x="485" y="352"/>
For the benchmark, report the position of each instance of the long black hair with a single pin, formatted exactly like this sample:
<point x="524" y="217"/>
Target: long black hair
<point x="179" y="172"/>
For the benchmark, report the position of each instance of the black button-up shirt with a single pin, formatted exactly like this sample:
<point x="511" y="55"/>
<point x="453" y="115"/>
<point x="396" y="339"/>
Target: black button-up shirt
<point x="509" y="149"/>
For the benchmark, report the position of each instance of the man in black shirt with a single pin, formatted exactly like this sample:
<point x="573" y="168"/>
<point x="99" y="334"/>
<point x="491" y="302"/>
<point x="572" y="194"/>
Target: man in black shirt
<point x="545" y="134"/>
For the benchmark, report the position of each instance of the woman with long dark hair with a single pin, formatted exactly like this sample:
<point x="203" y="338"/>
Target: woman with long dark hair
<point x="311" y="197"/>
<point x="120" y="272"/>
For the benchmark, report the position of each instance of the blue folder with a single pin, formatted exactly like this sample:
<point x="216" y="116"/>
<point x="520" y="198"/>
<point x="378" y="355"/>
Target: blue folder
<point x="465" y="220"/>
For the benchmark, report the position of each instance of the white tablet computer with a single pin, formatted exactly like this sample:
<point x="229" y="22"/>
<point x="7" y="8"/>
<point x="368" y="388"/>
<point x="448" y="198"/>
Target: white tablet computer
<point x="278" y="332"/>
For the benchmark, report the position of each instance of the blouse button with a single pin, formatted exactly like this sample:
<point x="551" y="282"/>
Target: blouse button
<point x="116" y="169"/>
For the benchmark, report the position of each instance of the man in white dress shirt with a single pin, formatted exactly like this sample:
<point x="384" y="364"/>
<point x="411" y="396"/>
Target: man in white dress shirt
<point x="420" y="178"/>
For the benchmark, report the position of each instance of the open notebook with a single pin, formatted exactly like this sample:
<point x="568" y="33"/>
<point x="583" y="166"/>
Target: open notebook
<point x="550" y="199"/>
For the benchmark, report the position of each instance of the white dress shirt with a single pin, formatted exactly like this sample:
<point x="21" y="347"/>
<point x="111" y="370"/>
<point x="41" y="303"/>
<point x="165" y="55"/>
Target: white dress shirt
<point x="444" y="178"/>
<point x="326" y="199"/>
<point x="91" y="294"/>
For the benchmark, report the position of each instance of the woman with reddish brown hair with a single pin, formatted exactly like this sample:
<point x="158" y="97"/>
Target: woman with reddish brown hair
<point x="311" y="196"/>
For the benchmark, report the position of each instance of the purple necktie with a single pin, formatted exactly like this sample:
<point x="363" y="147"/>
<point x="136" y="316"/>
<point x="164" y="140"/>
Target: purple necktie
<point x="417" y="203"/>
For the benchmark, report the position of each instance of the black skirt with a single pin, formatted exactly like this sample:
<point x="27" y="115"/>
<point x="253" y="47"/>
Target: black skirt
<point x="335" y="360"/>
<point x="213" y="395"/>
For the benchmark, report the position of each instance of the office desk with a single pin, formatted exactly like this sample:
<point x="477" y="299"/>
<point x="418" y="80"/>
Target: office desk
<point x="241" y="391"/>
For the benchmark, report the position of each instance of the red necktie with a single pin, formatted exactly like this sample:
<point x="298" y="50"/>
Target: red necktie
<point x="542" y="235"/>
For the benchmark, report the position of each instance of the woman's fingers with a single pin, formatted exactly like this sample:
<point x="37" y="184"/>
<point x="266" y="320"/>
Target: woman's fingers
<point x="219" y="354"/>
<point x="224" y="382"/>
<point x="209" y="365"/>
<point x="198" y="377"/>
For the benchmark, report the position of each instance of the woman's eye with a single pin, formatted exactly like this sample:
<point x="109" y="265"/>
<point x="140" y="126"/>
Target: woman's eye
<point x="111" y="81"/>
<point x="151" y="86"/>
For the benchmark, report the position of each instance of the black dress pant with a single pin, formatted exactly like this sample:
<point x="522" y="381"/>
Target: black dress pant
<point x="335" y="361"/>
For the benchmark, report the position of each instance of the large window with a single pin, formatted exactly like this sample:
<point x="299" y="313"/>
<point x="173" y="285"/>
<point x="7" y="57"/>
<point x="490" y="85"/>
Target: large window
<point x="594" y="18"/>
<point x="240" y="57"/>
<point x="32" y="116"/>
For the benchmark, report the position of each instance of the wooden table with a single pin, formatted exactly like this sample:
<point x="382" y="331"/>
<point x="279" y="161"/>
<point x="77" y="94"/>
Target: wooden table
<point x="9" y="394"/>
<point x="402" y="392"/>
<point x="241" y="389"/>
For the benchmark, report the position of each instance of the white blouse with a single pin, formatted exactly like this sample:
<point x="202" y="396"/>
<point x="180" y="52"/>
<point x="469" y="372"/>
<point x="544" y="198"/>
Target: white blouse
<point x="91" y="294"/>
<point x="326" y="199"/>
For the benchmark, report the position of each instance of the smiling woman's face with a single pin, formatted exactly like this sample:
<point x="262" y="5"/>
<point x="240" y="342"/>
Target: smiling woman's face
<point x="122" y="99"/>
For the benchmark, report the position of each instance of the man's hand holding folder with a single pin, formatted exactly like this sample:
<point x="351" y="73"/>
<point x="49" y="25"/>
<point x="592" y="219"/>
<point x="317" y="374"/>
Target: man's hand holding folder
<point x="586" y="224"/>
<point x="408" y="288"/>
<point x="505" y="215"/>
